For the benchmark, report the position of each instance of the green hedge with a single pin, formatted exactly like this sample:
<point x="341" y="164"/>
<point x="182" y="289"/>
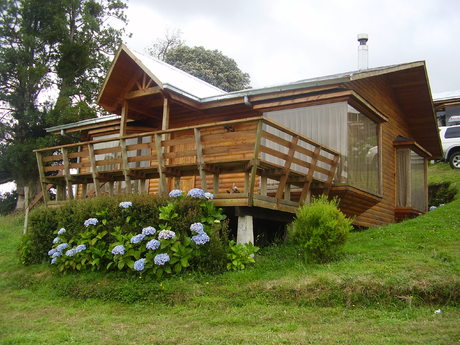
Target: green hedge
<point x="93" y="245"/>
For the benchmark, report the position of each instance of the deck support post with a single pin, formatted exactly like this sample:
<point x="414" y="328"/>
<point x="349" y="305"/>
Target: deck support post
<point x="161" y="165"/>
<point x="68" y="181"/>
<point x="245" y="230"/>
<point x="125" y="165"/>
<point x="255" y="162"/>
<point x="41" y="172"/>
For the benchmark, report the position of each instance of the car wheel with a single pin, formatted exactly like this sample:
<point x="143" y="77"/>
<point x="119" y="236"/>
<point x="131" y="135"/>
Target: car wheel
<point x="454" y="160"/>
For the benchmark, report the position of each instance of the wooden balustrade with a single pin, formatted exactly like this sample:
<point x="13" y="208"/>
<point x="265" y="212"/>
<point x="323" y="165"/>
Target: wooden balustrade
<point x="250" y="162"/>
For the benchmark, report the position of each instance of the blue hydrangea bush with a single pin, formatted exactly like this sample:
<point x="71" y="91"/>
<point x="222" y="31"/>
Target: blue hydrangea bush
<point x="189" y="232"/>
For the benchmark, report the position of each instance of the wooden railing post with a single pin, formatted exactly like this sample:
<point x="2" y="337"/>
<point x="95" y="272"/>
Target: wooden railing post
<point x="255" y="163"/>
<point x="161" y="165"/>
<point x="92" y="159"/>
<point x="41" y="173"/>
<point x="125" y="166"/>
<point x="199" y="158"/>
<point x="65" y="158"/>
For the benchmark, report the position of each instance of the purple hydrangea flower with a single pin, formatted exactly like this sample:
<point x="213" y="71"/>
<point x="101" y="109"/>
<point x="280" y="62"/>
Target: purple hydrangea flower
<point x="197" y="227"/>
<point x="201" y="238"/>
<point x="139" y="265"/>
<point x="148" y="231"/>
<point x="61" y="231"/>
<point x="166" y="234"/>
<point x="61" y="247"/>
<point x="196" y="193"/>
<point x="80" y="248"/>
<point x="175" y="193"/>
<point x="52" y="251"/>
<point x="70" y="252"/>
<point x="57" y="240"/>
<point x="152" y="244"/>
<point x="208" y="195"/>
<point x="126" y="204"/>
<point x="90" y="221"/>
<point x="53" y="261"/>
<point x="161" y="259"/>
<point x="118" y="250"/>
<point x="137" y="238"/>
<point x="56" y="255"/>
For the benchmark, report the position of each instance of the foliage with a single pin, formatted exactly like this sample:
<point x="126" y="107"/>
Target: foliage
<point x="440" y="193"/>
<point x="209" y="65"/>
<point x="44" y="45"/>
<point x="147" y="234"/>
<point x="320" y="228"/>
<point x="8" y="202"/>
<point x="240" y="255"/>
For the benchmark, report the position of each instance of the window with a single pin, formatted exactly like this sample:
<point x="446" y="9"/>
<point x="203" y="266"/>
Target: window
<point x="346" y="130"/>
<point x="410" y="180"/>
<point x="453" y="132"/>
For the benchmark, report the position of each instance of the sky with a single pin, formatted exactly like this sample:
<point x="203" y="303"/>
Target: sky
<point x="280" y="41"/>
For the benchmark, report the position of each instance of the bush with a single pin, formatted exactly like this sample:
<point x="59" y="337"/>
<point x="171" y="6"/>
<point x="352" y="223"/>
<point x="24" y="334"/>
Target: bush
<point x="320" y="228"/>
<point x="146" y="234"/>
<point x="440" y="193"/>
<point x="8" y="202"/>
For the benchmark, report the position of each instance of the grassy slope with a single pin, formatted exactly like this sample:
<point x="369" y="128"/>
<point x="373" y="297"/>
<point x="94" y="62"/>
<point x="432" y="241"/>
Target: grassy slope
<point x="384" y="290"/>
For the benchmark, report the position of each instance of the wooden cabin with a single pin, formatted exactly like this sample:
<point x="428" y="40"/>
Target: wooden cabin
<point x="364" y="136"/>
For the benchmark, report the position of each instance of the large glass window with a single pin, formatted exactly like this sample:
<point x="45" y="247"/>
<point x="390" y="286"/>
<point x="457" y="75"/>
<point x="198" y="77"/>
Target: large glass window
<point x="346" y="130"/>
<point x="411" y="180"/>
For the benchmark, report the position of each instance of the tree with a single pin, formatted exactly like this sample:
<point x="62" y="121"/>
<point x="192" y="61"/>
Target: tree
<point x="209" y="65"/>
<point x="160" y="48"/>
<point x="44" y="45"/>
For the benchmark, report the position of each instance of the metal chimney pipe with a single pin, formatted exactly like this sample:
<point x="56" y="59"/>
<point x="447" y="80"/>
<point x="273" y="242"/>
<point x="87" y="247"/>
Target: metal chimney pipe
<point x="363" y="52"/>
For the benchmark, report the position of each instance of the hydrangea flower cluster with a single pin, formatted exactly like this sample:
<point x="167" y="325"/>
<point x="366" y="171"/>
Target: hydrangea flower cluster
<point x="52" y="251"/>
<point x="139" y="265"/>
<point x="201" y="238"/>
<point x="166" y="234"/>
<point x="175" y="193"/>
<point x="137" y="238"/>
<point x="61" y="247"/>
<point x="161" y="259"/>
<point x="57" y="240"/>
<point x="197" y="227"/>
<point x="152" y="244"/>
<point x="71" y="252"/>
<point x="125" y="204"/>
<point x="196" y="193"/>
<point x="56" y="255"/>
<point x="80" y="248"/>
<point x="90" y="221"/>
<point x="209" y="196"/>
<point x="61" y="231"/>
<point x="149" y="231"/>
<point x="118" y="250"/>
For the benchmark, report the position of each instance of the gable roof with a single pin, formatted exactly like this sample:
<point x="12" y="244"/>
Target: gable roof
<point x="127" y="64"/>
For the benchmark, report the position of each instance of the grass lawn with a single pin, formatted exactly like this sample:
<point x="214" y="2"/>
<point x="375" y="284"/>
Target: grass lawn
<point x="384" y="289"/>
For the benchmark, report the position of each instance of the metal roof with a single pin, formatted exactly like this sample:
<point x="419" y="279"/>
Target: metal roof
<point x="83" y="123"/>
<point x="177" y="79"/>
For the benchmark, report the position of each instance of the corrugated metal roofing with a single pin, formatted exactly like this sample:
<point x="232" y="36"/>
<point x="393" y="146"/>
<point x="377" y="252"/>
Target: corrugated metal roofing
<point x="83" y="123"/>
<point x="171" y="76"/>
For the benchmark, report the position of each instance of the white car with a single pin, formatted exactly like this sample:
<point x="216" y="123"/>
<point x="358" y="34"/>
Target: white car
<point x="450" y="139"/>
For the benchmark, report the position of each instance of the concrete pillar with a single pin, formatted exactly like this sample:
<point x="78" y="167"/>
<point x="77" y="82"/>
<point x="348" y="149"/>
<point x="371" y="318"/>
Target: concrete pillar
<point x="245" y="230"/>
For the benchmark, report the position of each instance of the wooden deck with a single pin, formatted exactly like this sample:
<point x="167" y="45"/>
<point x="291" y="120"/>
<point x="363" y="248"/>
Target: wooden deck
<point x="250" y="162"/>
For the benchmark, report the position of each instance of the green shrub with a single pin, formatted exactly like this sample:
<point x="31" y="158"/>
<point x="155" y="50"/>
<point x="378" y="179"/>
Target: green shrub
<point x="128" y="233"/>
<point x="440" y="193"/>
<point x="240" y="255"/>
<point x="320" y="228"/>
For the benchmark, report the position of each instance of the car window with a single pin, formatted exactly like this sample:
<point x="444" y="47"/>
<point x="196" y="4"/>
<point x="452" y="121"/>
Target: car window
<point x="453" y="132"/>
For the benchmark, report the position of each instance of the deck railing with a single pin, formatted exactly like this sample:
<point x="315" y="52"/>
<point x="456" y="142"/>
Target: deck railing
<point x="249" y="162"/>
